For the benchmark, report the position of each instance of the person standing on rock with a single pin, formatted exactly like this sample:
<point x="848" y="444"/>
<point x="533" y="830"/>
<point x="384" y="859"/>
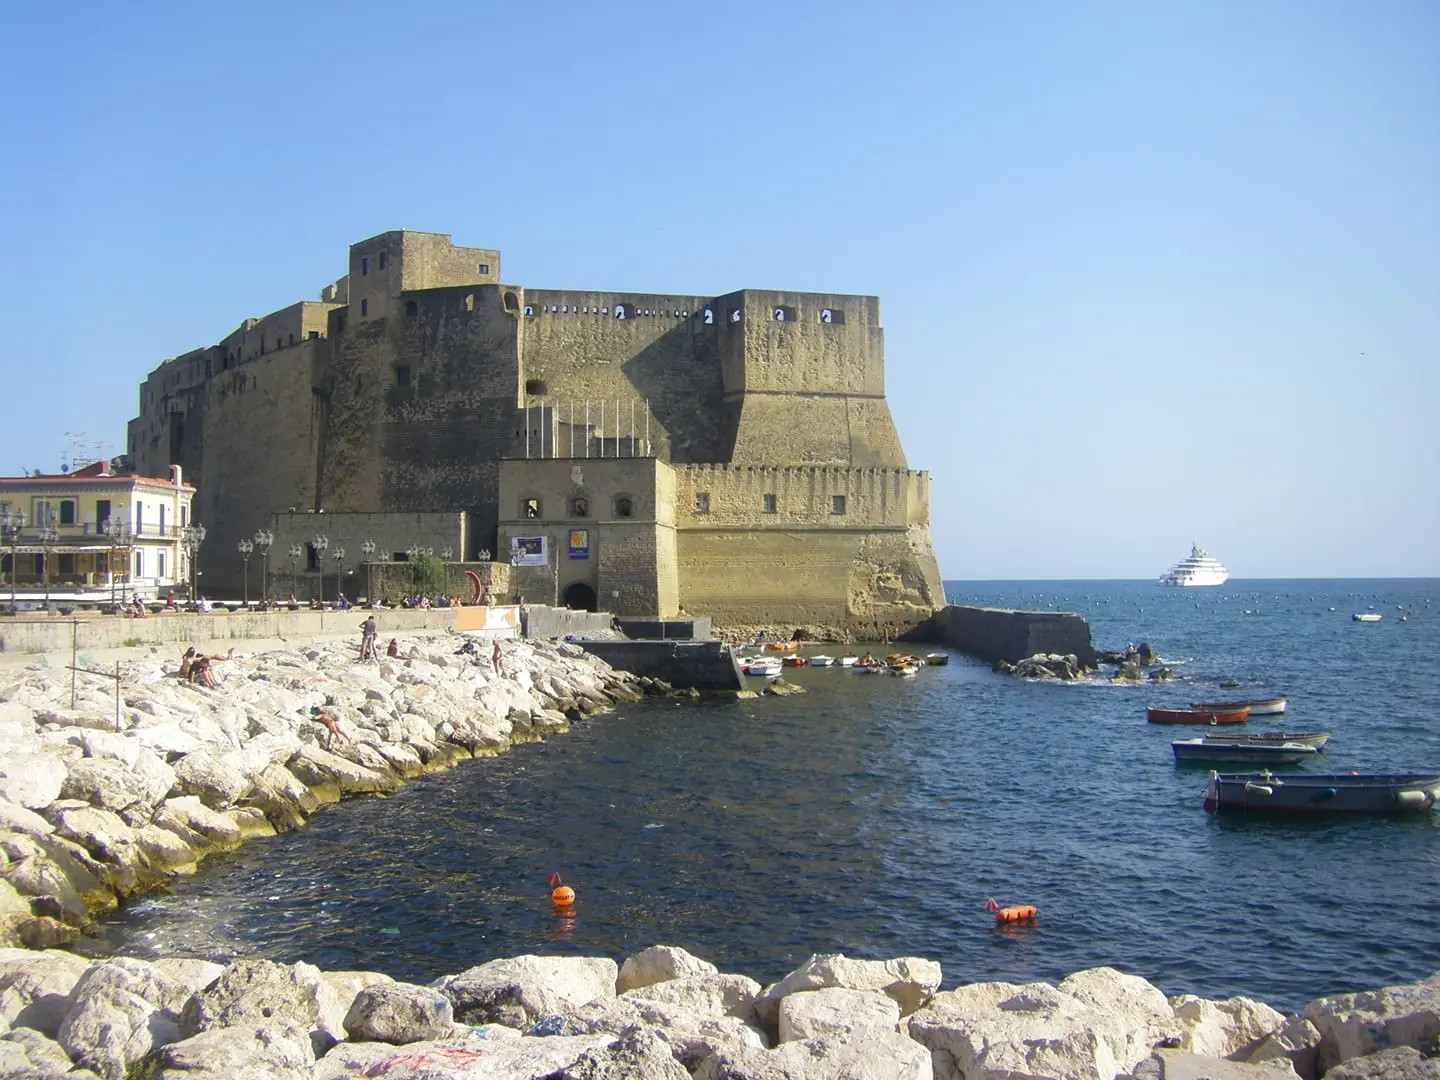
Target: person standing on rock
<point x="368" y="634"/>
<point x="495" y="658"/>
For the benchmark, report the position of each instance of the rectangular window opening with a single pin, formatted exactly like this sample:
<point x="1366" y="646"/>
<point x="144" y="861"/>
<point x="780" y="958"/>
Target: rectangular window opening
<point x="364" y="307"/>
<point x="484" y="268"/>
<point x="402" y="376"/>
<point x="364" y="265"/>
<point x="702" y="502"/>
<point x="837" y="504"/>
<point x="769" y="502"/>
<point x="382" y="260"/>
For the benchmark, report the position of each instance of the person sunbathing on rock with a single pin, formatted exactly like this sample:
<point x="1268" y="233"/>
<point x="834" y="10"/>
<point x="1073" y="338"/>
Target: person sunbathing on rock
<point x="191" y="661"/>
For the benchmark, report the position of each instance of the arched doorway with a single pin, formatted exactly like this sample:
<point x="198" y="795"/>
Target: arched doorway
<point x="580" y="596"/>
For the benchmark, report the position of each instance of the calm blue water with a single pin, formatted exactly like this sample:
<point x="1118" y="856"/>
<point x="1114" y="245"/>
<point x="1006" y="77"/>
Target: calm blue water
<point x="874" y="817"/>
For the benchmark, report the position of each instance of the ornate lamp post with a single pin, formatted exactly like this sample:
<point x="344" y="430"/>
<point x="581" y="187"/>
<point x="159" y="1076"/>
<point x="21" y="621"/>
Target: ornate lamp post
<point x="296" y="550"/>
<point x="367" y="548"/>
<point x="191" y="537"/>
<point x="120" y="537"/>
<point x="339" y="555"/>
<point x="49" y="536"/>
<point x="263" y="539"/>
<point x="245" y="547"/>
<point x="11" y="522"/>
<point x="320" y="543"/>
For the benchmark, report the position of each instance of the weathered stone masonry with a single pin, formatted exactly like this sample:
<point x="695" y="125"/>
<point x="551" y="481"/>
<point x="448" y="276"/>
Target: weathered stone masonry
<point x="419" y="372"/>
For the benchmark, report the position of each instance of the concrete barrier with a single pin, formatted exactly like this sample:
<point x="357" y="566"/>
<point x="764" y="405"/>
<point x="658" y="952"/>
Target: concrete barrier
<point x="998" y="634"/>
<point x="542" y="621"/>
<point x="41" y="634"/>
<point x="703" y="665"/>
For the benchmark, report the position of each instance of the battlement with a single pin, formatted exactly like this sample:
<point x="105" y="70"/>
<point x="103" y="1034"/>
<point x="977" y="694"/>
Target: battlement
<point x="800" y="496"/>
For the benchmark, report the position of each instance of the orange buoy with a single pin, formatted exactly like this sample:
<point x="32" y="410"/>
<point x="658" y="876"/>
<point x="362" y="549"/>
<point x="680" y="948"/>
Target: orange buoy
<point x="563" y="896"/>
<point x="1014" y="914"/>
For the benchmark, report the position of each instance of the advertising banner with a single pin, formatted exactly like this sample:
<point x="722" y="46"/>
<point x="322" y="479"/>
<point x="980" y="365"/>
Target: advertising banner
<point x="579" y="543"/>
<point x="529" y="551"/>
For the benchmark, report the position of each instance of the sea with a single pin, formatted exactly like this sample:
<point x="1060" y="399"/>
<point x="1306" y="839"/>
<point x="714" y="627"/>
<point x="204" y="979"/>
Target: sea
<point x="875" y="816"/>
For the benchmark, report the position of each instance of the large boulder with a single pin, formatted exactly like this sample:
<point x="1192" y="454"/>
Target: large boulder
<point x="31" y="780"/>
<point x="46" y="1056"/>
<point x="131" y="790"/>
<point x="638" y="1054"/>
<point x="703" y="995"/>
<point x="1095" y="1025"/>
<point x="1397" y="1063"/>
<point x="120" y="1011"/>
<point x="867" y="1055"/>
<point x="35" y="987"/>
<point x="489" y="1053"/>
<point x="1353" y="1025"/>
<point x="318" y="768"/>
<point x="836" y="1012"/>
<point x="1297" y="1041"/>
<point x="1232" y="1028"/>
<point x="275" y="1050"/>
<point x="522" y="990"/>
<point x="1171" y="1064"/>
<point x="659" y="963"/>
<point x="910" y="981"/>
<point x="217" y="780"/>
<point x="249" y="993"/>
<point x="398" y="1013"/>
<point x="188" y="814"/>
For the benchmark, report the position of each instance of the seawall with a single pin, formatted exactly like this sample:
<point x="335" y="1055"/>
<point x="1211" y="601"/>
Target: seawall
<point x="999" y="634"/>
<point x="702" y="665"/>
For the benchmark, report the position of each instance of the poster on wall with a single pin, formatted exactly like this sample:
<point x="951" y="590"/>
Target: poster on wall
<point x="529" y="551"/>
<point x="579" y="543"/>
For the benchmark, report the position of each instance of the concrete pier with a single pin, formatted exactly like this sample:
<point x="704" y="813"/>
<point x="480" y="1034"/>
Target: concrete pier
<point x="999" y="634"/>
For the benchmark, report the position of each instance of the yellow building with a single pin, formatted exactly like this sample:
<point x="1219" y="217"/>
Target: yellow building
<point x="95" y="529"/>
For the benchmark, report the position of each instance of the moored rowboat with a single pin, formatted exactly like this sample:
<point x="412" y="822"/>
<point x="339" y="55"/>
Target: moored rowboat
<point x="1317" y="739"/>
<point x="1323" y="793"/>
<point x="1197" y="716"/>
<point x="1255" y="753"/>
<point x="1260" y="707"/>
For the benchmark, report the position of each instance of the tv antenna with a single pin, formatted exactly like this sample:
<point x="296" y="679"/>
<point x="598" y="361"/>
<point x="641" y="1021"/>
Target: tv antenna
<point x="83" y="451"/>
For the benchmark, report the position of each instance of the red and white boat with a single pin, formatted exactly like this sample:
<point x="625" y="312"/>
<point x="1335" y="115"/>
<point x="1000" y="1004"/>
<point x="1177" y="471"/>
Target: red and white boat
<point x="1230" y="715"/>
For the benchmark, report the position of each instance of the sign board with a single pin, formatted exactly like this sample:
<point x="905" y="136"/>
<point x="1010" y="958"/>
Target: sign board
<point x="505" y="617"/>
<point x="579" y="543"/>
<point x="529" y="551"/>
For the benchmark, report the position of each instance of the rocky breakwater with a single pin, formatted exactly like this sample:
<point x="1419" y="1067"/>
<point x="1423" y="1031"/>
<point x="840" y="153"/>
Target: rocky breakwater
<point x="665" y="1014"/>
<point x="90" y="815"/>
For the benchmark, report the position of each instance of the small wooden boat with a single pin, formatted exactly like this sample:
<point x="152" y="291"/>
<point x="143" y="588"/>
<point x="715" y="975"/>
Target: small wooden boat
<point x="1323" y="793"/>
<point x="937" y="659"/>
<point x="904" y="670"/>
<point x="1197" y="716"/>
<point x="766" y="667"/>
<point x="1366" y="616"/>
<point x="782" y="646"/>
<point x="868" y="665"/>
<point x="1317" y="739"/>
<point x="1260" y="707"/>
<point x="848" y="661"/>
<point x="822" y="661"/>
<point x="794" y="661"/>
<point x="1255" y="753"/>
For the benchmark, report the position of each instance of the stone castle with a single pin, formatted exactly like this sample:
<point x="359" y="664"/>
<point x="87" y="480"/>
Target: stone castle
<point x="726" y="456"/>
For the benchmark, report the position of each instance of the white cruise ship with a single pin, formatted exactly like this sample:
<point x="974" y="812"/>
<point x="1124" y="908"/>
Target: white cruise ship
<point x="1200" y="568"/>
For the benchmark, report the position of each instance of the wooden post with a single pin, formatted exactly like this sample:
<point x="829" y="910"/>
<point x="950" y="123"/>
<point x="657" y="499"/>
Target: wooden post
<point x="117" y="695"/>
<point x="74" y="656"/>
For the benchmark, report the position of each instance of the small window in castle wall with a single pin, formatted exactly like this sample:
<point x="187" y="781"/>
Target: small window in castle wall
<point x="470" y="302"/>
<point x="579" y="507"/>
<point x="702" y="502"/>
<point x="768" y="501"/>
<point x="837" y="504"/>
<point x="512" y="302"/>
<point x="280" y="343"/>
<point x="411" y="307"/>
<point x="536" y="386"/>
<point x="624" y="507"/>
<point x="832" y="316"/>
<point x="620" y="311"/>
<point x="783" y="314"/>
<point x="382" y="260"/>
<point x="734" y="314"/>
<point x="364" y="307"/>
<point x="484" y="268"/>
<point x="402" y="376"/>
<point x="529" y="309"/>
<point x="364" y="265"/>
<point x="530" y="508"/>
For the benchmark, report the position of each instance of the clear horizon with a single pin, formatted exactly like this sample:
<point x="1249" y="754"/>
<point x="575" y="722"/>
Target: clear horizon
<point x="1150" y="276"/>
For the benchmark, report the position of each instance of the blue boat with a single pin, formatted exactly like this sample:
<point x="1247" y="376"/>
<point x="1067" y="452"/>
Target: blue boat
<point x="1323" y="793"/>
<point x="1252" y="752"/>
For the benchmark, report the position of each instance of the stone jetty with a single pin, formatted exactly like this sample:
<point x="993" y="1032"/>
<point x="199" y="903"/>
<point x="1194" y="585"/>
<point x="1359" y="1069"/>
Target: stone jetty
<point x="665" y="1014"/>
<point x="118" y="795"/>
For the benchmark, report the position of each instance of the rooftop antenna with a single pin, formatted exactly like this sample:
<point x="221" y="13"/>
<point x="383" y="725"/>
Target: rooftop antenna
<point x="84" y="450"/>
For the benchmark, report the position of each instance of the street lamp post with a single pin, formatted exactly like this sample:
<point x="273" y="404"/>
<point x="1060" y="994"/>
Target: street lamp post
<point x="339" y="555"/>
<point x="263" y="539"/>
<point x="11" y="522"/>
<point x="49" y="536"/>
<point x="320" y="543"/>
<point x="296" y="550"/>
<point x="191" y="537"/>
<point x="245" y="547"/>
<point x="367" y="548"/>
<point x="120" y="536"/>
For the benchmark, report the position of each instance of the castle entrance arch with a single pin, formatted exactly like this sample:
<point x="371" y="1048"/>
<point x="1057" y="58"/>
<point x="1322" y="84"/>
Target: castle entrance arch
<point x="580" y="596"/>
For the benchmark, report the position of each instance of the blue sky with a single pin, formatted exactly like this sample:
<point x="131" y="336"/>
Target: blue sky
<point x="1150" y="273"/>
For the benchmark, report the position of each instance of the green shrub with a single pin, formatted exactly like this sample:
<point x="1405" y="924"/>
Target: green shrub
<point x="427" y="575"/>
<point x="132" y="642"/>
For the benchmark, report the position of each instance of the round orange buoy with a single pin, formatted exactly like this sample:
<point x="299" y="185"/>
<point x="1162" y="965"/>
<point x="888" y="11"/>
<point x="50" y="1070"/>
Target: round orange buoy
<point x="1014" y="914"/>
<point x="563" y="896"/>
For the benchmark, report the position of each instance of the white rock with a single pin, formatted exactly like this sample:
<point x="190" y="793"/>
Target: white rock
<point x="1232" y="1028"/>
<point x="113" y="1021"/>
<point x="1181" y="1065"/>
<point x="31" y="780"/>
<point x="911" y="981"/>
<point x="35" y="987"/>
<point x="274" y="1050"/>
<point x="659" y="963"/>
<point x="216" y="779"/>
<point x="1298" y="1042"/>
<point x="16" y="818"/>
<point x="866" y="1055"/>
<point x="1353" y="1025"/>
<point x="520" y="991"/>
<point x="837" y="1012"/>
<point x="704" y="995"/>
<point x="399" y="1013"/>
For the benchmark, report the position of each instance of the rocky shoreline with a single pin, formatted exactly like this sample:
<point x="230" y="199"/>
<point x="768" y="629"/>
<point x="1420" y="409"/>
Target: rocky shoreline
<point x="668" y="1015"/>
<point x="118" y="796"/>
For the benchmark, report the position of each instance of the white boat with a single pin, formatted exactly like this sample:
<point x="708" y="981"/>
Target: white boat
<point x="848" y="661"/>
<point x="1366" y="616"/>
<point x="904" y="670"/>
<point x="768" y="667"/>
<point x="1201" y="568"/>
<point x="822" y="661"/>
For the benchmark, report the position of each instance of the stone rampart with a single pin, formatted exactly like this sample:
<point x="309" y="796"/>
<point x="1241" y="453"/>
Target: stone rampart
<point x="996" y="634"/>
<point x="700" y="665"/>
